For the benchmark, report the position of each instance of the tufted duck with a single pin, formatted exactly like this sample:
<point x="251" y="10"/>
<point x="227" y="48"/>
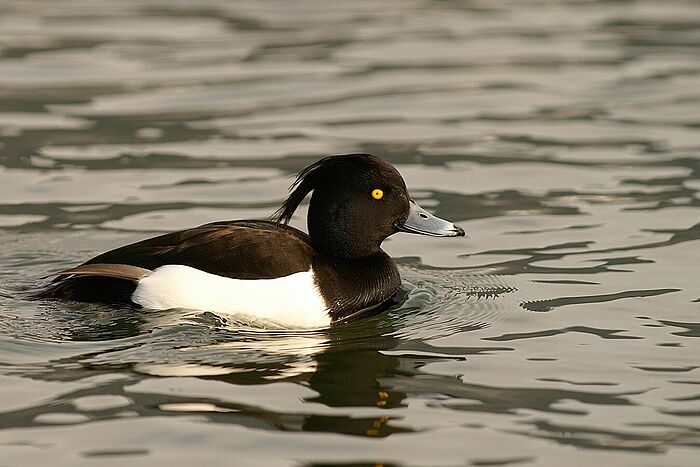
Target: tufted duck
<point x="267" y="269"/>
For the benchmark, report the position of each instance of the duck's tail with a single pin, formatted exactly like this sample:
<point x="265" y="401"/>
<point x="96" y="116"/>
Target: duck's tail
<point x="110" y="283"/>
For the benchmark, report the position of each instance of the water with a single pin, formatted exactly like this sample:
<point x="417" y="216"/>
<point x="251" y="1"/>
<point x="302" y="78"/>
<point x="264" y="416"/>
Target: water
<point x="563" y="135"/>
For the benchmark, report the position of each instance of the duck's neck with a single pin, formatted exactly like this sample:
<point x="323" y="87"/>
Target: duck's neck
<point x="351" y="285"/>
<point x="342" y="244"/>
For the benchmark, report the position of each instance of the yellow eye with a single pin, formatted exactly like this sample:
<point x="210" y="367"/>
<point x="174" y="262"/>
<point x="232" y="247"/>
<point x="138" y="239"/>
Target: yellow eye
<point x="377" y="193"/>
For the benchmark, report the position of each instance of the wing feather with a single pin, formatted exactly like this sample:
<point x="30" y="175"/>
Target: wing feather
<point x="115" y="271"/>
<point x="237" y="249"/>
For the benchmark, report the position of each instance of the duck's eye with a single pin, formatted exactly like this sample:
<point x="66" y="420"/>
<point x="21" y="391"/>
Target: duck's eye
<point x="377" y="193"/>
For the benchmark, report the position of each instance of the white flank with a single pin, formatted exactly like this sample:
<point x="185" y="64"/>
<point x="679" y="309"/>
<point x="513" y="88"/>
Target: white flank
<point x="291" y="301"/>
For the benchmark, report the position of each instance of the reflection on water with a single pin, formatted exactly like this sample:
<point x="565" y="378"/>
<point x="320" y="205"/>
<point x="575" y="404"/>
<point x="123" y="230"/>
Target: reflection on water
<point x="562" y="135"/>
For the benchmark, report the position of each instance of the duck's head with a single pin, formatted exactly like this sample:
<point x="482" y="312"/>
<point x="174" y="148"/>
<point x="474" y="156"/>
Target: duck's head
<point x="358" y="200"/>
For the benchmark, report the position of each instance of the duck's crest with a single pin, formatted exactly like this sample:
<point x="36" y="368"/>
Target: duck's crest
<point x="329" y="169"/>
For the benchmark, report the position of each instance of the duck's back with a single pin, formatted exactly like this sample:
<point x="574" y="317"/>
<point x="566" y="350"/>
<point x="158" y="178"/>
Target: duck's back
<point x="234" y="249"/>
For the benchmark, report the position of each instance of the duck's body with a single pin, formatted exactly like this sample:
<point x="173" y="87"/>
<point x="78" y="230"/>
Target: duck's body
<point x="236" y="268"/>
<point x="267" y="269"/>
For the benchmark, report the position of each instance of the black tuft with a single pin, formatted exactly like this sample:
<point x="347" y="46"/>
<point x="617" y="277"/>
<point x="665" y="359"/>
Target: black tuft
<point x="315" y="174"/>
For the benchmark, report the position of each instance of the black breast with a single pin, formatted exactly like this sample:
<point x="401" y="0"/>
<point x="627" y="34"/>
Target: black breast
<point x="350" y="286"/>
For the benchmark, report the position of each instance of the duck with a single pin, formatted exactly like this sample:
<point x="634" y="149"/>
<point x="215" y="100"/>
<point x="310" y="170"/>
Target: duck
<point x="266" y="269"/>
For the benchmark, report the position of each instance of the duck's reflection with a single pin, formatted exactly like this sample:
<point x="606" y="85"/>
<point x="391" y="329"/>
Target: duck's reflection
<point x="334" y="369"/>
<point x="342" y="367"/>
<point x="344" y="379"/>
<point x="348" y="380"/>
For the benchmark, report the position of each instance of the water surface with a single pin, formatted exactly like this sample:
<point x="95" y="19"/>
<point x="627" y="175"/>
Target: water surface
<point x="564" y="136"/>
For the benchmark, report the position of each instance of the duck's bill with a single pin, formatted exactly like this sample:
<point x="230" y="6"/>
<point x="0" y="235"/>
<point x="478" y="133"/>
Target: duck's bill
<point x="420" y="221"/>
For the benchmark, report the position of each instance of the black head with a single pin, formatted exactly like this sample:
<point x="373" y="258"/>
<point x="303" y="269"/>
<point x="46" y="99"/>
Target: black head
<point x="358" y="200"/>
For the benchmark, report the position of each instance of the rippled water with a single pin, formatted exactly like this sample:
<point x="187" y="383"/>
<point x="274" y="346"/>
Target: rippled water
<point x="563" y="135"/>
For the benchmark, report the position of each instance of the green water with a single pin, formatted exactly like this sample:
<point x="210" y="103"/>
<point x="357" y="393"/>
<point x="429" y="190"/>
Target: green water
<point x="564" y="136"/>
